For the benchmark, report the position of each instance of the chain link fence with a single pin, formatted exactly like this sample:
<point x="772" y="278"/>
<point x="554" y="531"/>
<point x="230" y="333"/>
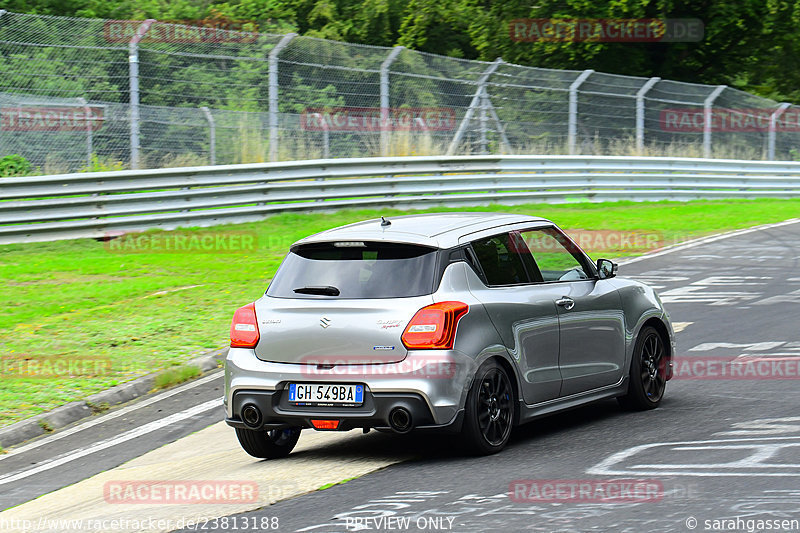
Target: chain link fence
<point x="93" y="94"/>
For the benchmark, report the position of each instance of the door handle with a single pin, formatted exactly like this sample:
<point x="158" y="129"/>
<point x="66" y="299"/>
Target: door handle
<point x="566" y="303"/>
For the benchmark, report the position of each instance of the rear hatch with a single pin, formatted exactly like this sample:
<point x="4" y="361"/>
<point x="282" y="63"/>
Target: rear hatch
<point x="344" y="303"/>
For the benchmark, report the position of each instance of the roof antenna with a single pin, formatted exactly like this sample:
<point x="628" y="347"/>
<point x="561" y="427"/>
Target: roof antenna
<point x="385" y="223"/>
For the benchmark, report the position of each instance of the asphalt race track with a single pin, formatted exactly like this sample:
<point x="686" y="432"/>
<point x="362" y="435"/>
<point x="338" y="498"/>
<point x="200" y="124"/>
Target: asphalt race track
<point x="720" y="454"/>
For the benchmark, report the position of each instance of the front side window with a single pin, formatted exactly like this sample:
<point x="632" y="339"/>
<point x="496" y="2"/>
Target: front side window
<point x="557" y="258"/>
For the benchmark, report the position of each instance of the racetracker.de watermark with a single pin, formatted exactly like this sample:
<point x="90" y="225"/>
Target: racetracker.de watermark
<point x="180" y="492"/>
<point x="743" y="367"/>
<point x="585" y="490"/>
<point x="422" y="366"/>
<point x="746" y="120"/>
<point x="613" y="30"/>
<point x="172" y="242"/>
<point x="22" y="367"/>
<point x="368" y="119"/>
<point x="51" y="118"/>
<point x="598" y="240"/>
<point x="211" y="30"/>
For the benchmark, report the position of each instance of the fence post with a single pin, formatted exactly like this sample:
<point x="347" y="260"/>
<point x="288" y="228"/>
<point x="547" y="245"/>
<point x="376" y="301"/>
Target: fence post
<point x="572" y="116"/>
<point x="273" y="94"/>
<point x="2" y="12"/>
<point x="87" y="114"/>
<point x="133" y="75"/>
<point x="476" y="100"/>
<point x="640" y="111"/>
<point x="708" y="104"/>
<point x="212" y="136"/>
<point x="384" y="87"/>
<point x="483" y="118"/>
<point x="773" y="120"/>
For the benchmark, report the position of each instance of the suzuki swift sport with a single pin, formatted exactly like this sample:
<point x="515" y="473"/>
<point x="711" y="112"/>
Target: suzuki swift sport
<point x="462" y="322"/>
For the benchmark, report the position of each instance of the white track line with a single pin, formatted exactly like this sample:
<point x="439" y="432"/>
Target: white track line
<point x="119" y="439"/>
<point x="704" y="240"/>
<point x="110" y="416"/>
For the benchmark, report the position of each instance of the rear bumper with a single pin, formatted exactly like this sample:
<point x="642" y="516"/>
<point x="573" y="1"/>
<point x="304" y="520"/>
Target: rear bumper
<point x="431" y="385"/>
<point x="277" y="413"/>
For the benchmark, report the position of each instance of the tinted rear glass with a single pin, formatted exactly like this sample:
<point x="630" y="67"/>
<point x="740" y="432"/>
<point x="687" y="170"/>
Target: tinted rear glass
<point x="371" y="270"/>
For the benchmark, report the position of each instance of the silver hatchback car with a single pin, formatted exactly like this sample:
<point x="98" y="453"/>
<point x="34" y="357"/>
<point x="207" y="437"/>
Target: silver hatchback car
<point x="464" y="322"/>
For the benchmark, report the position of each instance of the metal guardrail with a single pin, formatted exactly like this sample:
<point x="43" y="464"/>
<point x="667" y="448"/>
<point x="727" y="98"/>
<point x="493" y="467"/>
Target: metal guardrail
<point x="71" y="206"/>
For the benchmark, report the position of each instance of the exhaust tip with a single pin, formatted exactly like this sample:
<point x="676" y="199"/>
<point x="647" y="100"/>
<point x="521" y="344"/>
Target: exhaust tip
<point x="400" y="420"/>
<point x="251" y="416"/>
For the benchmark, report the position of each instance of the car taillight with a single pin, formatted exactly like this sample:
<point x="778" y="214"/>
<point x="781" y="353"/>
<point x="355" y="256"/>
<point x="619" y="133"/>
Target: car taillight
<point x="244" y="328"/>
<point x="434" y="326"/>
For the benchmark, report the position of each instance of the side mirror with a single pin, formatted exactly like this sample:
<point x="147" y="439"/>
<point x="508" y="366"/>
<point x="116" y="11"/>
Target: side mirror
<point x="607" y="268"/>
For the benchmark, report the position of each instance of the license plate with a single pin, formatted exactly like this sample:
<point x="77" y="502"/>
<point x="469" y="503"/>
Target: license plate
<point x="325" y="394"/>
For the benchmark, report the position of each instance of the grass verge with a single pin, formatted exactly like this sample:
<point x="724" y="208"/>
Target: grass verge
<point x="174" y="376"/>
<point x="130" y="312"/>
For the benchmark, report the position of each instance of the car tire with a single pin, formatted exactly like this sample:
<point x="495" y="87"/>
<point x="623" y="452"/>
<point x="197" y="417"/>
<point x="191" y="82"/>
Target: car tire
<point x="648" y="375"/>
<point x="489" y="410"/>
<point x="268" y="444"/>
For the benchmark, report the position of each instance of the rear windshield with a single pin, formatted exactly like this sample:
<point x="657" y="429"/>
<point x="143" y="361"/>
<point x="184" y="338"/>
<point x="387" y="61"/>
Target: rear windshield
<point x="355" y="270"/>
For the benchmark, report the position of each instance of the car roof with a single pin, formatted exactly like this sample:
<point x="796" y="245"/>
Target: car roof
<point x="440" y="230"/>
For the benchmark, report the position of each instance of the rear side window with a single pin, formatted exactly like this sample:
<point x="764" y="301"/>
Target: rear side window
<point x="355" y="270"/>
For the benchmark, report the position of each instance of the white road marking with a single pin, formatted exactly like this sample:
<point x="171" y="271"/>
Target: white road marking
<point x="790" y="298"/>
<point x="705" y="240"/>
<point x="763" y="448"/>
<point x="731" y="280"/>
<point x="747" y="346"/>
<point x="680" y="326"/>
<point x="108" y="443"/>
<point x="696" y="294"/>
<point x="658" y="281"/>
<point x="113" y="414"/>
<point x="764" y="426"/>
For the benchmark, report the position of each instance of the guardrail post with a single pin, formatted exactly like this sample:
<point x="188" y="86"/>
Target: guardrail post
<point x="133" y="75"/>
<point x="708" y="104"/>
<point x="572" y="117"/>
<point x="476" y="100"/>
<point x="773" y="121"/>
<point x="384" y="87"/>
<point x="640" y="111"/>
<point x="273" y="94"/>
<point x="212" y="135"/>
<point x="86" y="116"/>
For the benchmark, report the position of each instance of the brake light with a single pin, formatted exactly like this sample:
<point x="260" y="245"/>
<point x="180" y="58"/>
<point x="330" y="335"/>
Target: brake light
<point x="244" y="328"/>
<point x="434" y="326"/>
<point x="325" y="424"/>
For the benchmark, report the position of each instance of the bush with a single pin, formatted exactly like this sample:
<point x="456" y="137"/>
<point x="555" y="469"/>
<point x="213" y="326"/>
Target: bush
<point x="14" y="165"/>
<point x="103" y="165"/>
